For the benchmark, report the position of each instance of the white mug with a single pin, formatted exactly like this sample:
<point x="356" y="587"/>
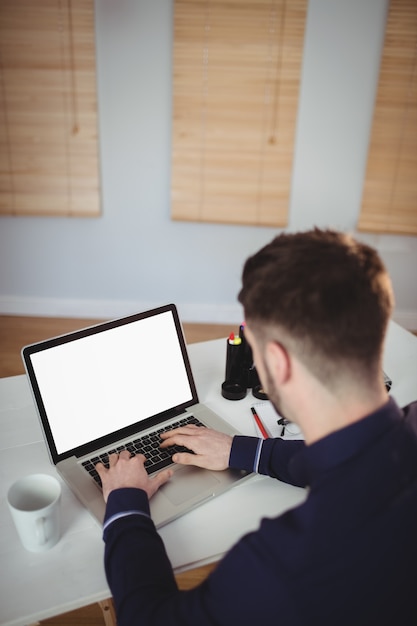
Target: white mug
<point x="34" y="502"/>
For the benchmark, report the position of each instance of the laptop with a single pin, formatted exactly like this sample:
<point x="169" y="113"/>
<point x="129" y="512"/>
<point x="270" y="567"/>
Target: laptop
<point x="112" y="386"/>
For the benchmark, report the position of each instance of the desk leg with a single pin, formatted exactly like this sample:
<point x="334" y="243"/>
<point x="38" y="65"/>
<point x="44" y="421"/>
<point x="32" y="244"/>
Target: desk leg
<point x="109" y="614"/>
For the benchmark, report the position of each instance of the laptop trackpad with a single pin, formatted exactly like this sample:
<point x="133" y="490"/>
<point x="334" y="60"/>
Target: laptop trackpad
<point x="187" y="483"/>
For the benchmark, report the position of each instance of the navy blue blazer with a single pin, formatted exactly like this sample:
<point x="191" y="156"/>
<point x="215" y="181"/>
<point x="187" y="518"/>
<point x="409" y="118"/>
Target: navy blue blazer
<point x="347" y="556"/>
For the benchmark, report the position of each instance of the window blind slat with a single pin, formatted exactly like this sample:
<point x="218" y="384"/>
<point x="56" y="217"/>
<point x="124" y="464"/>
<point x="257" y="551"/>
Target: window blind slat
<point x="48" y="110"/>
<point x="235" y="82"/>
<point x="389" y="201"/>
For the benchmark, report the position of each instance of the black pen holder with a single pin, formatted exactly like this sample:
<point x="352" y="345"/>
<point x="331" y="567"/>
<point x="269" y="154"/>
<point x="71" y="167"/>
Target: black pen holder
<point x="240" y="371"/>
<point x="234" y="387"/>
<point x="234" y="362"/>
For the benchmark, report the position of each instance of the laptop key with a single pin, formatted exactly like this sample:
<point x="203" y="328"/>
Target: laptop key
<point x="158" y="466"/>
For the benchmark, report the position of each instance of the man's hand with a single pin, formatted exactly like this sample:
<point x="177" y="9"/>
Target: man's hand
<point x="211" y="448"/>
<point x="129" y="472"/>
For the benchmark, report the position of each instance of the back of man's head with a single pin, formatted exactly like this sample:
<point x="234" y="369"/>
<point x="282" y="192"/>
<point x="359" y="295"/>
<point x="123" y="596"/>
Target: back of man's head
<point x="326" y="296"/>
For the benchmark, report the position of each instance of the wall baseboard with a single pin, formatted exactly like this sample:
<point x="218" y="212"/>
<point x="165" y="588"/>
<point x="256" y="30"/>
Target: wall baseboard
<point x="110" y="309"/>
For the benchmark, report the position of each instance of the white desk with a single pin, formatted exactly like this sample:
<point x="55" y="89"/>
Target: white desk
<point x="37" y="586"/>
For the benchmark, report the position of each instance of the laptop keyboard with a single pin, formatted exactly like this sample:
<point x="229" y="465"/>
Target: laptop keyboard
<point x="148" y="445"/>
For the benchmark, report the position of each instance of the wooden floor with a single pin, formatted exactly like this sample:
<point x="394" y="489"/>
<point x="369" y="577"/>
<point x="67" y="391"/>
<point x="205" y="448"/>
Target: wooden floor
<point x="15" y="332"/>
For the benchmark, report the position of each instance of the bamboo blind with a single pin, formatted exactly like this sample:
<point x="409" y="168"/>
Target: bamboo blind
<point x="390" y="191"/>
<point x="236" y="74"/>
<point x="48" y="111"/>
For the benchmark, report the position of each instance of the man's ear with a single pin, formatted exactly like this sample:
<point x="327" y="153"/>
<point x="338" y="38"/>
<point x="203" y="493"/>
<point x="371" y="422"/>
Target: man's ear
<point x="278" y="361"/>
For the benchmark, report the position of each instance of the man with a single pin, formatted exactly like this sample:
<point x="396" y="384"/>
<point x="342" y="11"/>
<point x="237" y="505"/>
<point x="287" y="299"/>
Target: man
<point x="316" y="305"/>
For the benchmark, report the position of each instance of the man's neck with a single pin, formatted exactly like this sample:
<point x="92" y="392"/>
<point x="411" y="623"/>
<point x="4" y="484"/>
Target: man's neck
<point x="319" y="410"/>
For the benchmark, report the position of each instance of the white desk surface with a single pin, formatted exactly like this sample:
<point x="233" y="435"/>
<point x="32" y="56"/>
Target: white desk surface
<point x="35" y="586"/>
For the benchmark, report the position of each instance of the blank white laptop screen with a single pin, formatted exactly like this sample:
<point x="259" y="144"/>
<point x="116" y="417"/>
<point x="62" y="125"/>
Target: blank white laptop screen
<point x="106" y="381"/>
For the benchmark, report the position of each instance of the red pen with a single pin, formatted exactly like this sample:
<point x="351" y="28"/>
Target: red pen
<point x="259" y="423"/>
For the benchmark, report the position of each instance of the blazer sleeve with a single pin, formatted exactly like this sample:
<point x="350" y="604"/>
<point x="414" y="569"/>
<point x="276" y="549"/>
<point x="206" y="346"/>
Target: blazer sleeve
<point x="144" y="589"/>
<point x="272" y="457"/>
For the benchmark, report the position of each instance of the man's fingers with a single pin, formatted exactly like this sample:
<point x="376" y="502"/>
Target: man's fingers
<point x="163" y="477"/>
<point x="157" y="481"/>
<point x="125" y="470"/>
<point x="184" y="436"/>
<point x="185" y="458"/>
<point x="184" y="431"/>
<point x="113" y="458"/>
<point x="178" y="440"/>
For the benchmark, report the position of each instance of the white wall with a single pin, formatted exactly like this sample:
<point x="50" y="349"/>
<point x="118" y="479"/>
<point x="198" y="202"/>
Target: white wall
<point x="134" y="256"/>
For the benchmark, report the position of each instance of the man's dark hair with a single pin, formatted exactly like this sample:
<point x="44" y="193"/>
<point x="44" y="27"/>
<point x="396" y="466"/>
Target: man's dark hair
<point x="329" y="294"/>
